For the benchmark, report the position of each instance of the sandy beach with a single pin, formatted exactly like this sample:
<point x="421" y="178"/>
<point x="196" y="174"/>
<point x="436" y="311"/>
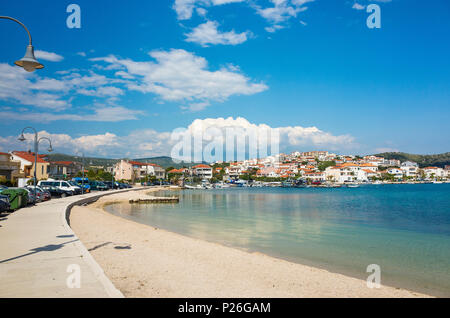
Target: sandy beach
<point x="144" y="261"/>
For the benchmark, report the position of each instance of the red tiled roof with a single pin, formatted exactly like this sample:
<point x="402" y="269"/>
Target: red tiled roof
<point x="64" y="163"/>
<point x="29" y="156"/>
<point x="201" y="166"/>
<point x="142" y="164"/>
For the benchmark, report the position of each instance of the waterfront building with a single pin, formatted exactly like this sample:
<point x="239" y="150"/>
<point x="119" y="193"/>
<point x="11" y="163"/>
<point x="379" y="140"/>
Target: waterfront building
<point x="9" y="169"/>
<point x="63" y="169"/>
<point x="26" y="159"/>
<point x="202" y="171"/>
<point x="135" y="170"/>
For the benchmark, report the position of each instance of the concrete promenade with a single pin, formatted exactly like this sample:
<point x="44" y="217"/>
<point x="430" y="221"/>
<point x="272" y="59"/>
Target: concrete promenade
<point x="37" y="248"/>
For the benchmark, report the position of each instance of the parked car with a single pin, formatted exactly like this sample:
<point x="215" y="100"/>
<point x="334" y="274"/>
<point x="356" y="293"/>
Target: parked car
<point x="31" y="197"/>
<point x="98" y="186"/>
<point x="4" y="203"/>
<point x="111" y="185"/>
<point x="45" y="196"/>
<point x="82" y="183"/>
<point x="63" y="185"/>
<point x="56" y="192"/>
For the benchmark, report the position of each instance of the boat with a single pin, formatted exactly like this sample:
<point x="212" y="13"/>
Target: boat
<point x="221" y="185"/>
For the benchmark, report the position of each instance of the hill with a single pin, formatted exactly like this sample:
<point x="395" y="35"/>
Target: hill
<point x="439" y="160"/>
<point x="89" y="162"/>
<point x="166" y="162"/>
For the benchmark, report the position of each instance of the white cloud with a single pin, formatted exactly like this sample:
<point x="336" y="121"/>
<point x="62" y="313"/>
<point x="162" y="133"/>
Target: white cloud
<point x="48" y="56"/>
<point x="103" y="91"/>
<point x="358" y="6"/>
<point x="181" y="76"/>
<point x="207" y="33"/>
<point x="101" y="114"/>
<point x="185" y="8"/>
<point x="29" y="89"/>
<point x="148" y="142"/>
<point x="57" y="93"/>
<point x="281" y="11"/>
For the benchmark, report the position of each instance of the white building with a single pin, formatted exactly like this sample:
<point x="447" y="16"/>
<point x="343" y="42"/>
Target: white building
<point x="432" y="173"/>
<point x="396" y="172"/>
<point x="202" y="171"/>
<point x="410" y="169"/>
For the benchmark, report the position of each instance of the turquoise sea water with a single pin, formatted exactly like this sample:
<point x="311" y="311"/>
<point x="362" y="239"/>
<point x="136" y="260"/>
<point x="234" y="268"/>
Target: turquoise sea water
<point x="403" y="228"/>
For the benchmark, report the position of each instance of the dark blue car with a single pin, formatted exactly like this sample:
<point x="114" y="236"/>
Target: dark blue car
<point x="4" y="203"/>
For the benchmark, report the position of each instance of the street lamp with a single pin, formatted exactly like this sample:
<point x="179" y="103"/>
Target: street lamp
<point x="29" y="61"/>
<point x="37" y="140"/>
<point x="82" y="180"/>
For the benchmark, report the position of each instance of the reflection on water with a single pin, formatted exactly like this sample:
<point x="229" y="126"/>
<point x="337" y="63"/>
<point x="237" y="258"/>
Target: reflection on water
<point x="403" y="228"/>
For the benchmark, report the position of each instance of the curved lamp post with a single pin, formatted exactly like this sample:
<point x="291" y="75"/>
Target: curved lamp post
<point x="28" y="62"/>
<point x="82" y="180"/>
<point x="37" y="140"/>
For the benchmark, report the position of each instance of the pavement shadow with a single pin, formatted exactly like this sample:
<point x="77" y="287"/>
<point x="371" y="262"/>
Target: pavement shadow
<point x="46" y="248"/>
<point x="99" y="246"/>
<point x="128" y="247"/>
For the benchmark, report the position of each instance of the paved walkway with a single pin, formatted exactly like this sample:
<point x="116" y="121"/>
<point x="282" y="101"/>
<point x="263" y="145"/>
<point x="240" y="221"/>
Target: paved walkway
<point x="37" y="248"/>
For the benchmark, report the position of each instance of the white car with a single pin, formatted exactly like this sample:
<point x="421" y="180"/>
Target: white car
<point x="63" y="185"/>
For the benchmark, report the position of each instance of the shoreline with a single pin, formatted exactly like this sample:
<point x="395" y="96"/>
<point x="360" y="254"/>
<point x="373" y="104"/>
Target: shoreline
<point x="143" y="261"/>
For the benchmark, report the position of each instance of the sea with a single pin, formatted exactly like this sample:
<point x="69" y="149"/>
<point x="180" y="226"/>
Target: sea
<point x="403" y="228"/>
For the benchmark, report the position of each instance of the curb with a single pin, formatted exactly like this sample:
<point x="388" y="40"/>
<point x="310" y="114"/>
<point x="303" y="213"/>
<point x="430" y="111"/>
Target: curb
<point x="109" y="287"/>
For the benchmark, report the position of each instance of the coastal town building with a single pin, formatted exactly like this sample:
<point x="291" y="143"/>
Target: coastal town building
<point x="134" y="170"/>
<point x="9" y="168"/>
<point x="202" y="171"/>
<point x="63" y="169"/>
<point x="396" y="172"/>
<point x="434" y="173"/>
<point x="26" y="159"/>
<point x="410" y="169"/>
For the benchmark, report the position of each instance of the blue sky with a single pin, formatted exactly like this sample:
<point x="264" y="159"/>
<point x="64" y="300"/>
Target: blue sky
<point x="137" y="70"/>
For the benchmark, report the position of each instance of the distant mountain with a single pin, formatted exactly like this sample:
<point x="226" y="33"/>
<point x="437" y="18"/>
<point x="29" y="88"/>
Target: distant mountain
<point x="88" y="161"/>
<point x="166" y="162"/>
<point x="439" y="160"/>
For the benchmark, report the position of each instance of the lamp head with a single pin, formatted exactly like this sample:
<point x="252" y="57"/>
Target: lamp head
<point x="22" y="138"/>
<point x="50" y="149"/>
<point x="29" y="62"/>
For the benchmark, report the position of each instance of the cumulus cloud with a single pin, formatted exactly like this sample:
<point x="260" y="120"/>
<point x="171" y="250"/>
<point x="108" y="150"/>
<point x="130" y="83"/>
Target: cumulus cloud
<point x="181" y="76"/>
<point x="208" y="33"/>
<point x="148" y="142"/>
<point x="48" y="56"/>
